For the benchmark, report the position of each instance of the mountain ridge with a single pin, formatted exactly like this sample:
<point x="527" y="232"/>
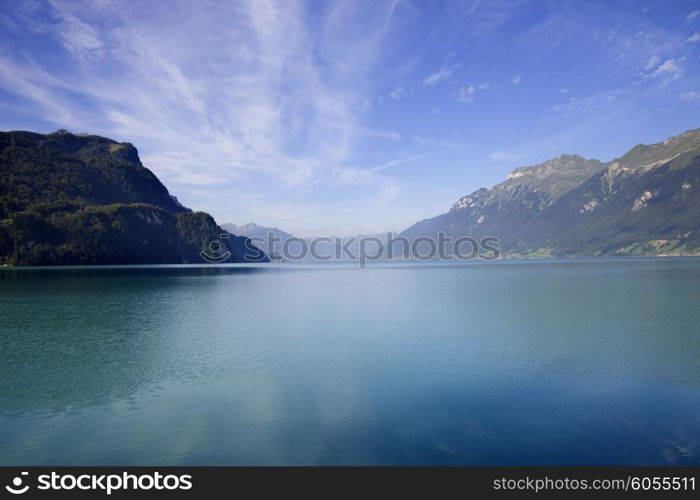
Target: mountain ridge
<point x="555" y="207"/>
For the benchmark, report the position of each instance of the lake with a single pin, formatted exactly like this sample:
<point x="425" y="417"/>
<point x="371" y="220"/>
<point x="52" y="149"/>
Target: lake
<point x="488" y="363"/>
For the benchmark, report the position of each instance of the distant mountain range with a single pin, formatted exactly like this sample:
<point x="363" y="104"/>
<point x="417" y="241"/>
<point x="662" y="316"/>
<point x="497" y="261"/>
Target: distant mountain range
<point x="647" y="202"/>
<point x="82" y="199"/>
<point x="286" y="247"/>
<point x="260" y="235"/>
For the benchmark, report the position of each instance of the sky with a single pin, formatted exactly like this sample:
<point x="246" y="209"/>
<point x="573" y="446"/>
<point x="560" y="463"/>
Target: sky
<point x="350" y="117"/>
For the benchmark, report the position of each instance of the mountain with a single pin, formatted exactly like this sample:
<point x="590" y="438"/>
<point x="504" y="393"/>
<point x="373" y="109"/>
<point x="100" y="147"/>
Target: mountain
<point x="328" y="248"/>
<point x="644" y="202"/>
<point x="260" y="236"/>
<point x="512" y="204"/>
<point x="83" y="199"/>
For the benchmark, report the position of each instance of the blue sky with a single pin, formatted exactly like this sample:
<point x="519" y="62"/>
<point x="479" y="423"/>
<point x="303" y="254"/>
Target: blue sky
<point x="345" y="117"/>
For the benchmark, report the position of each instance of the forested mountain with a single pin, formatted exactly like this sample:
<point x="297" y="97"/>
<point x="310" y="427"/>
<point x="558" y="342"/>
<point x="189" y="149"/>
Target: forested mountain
<point x="82" y="199"/>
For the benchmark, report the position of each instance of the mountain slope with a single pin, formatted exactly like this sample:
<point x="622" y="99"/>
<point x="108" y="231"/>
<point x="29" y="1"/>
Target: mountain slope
<point x="82" y="199"/>
<point x="512" y="204"/>
<point x="43" y="170"/>
<point x="644" y="202"/>
<point x="643" y="210"/>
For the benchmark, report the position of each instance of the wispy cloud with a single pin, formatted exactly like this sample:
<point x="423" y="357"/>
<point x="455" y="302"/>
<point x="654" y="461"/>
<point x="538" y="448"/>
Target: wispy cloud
<point x="591" y="102"/>
<point x="670" y="69"/>
<point x="258" y="93"/>
<point x="400" y="161"/>
<point x="438" y="142"/>
<point x="315" y="114"/>
<point x="653" y="62"/>
<point x="399" y="93"/>
<point x="381" y="134"/>
<point x="466" y="94"/>
<point x="505" y="156"/>
<point x="442" y="74"/>
<point x="78" y="37"/>
<point x="693" y="38"/>
<point x="442" y="147"/>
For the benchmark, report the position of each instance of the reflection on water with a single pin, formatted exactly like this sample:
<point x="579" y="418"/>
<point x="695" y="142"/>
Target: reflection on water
<point x="559" y="362"/>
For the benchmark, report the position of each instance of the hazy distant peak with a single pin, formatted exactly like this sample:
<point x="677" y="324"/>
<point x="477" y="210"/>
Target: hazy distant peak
<point x="255" y="230"/>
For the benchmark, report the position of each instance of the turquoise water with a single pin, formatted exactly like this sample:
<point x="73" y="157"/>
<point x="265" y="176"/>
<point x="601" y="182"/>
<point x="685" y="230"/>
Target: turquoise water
<point x="552" y="362"/>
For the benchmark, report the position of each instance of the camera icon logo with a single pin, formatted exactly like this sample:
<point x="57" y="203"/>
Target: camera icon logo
<point x="217" y="252"/>
<point x="16" y="487"/>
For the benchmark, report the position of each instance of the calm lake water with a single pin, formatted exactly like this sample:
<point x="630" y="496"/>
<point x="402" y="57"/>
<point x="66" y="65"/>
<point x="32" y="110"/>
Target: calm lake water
<point x="553" y="362"/>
